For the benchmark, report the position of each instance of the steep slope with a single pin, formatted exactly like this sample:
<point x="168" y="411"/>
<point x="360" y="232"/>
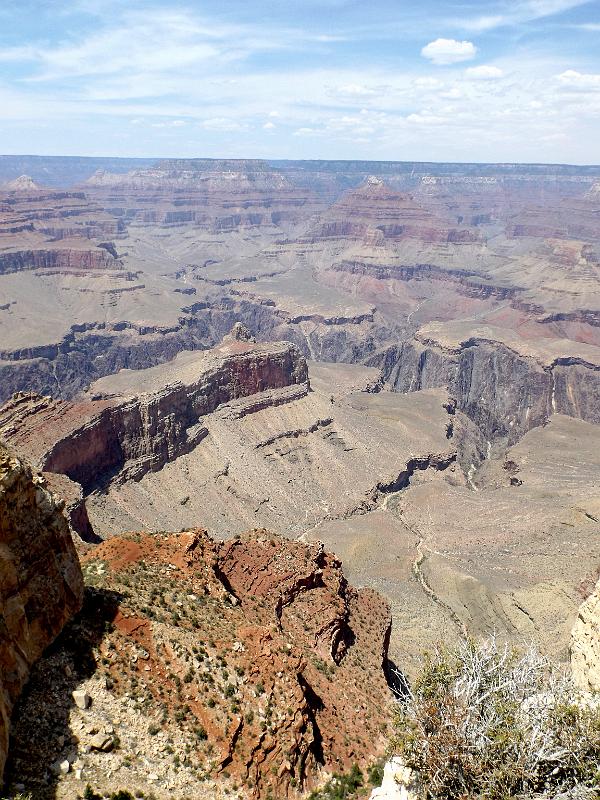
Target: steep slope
<point x="155" y="418"/>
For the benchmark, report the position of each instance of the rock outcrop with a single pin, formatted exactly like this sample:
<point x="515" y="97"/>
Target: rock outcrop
<point x="41" y="584"/>
<point x="375" y="214"/>
<point x="24" y="183"/>
<point x="399" y="783"/>
<point x="482" y="370"/>
<point x="58" y="259"/>
<point x="214" y="195"/>
<point x="585" y="644"/>
<point x="150" y="417"/>
<point x="256" y="661"/>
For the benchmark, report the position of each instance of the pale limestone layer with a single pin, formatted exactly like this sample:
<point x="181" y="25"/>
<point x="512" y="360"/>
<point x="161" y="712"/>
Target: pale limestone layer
<point x="585" y="644"/>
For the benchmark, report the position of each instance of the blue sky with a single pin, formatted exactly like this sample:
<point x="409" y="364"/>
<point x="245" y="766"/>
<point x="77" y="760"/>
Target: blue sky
<point x="517" y="80"/>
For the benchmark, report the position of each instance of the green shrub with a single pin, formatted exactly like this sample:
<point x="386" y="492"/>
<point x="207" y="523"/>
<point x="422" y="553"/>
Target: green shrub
<point x="484" y="722"/>
<point x="340" y="787"/>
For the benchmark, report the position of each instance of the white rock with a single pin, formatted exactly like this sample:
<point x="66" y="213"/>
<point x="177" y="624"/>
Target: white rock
<point x="399" y="783"/>
<point x="60" y="767"/>
<point x="153" y="777"/>
<point x="102" y="742"/>
<point x="585" y="644"/>
<point x="82" y="699"/>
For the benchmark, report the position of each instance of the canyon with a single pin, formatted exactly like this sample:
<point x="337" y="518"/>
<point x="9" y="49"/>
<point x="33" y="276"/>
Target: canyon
<point x="399" y="362"/>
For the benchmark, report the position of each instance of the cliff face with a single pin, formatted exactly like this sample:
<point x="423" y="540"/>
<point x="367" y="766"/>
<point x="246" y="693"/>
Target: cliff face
<point x="482" y="376"/>
<point x="373" y="213"/>
<point x="218" y="196"/>
<point x="41" y="585"/>
<point x="585" y="644"/>
<point x="61" y="259"/>
<point x="125" y="436"/>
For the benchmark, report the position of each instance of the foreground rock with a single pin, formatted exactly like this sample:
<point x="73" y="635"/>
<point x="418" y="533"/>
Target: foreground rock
<point x="585" y="644"/>
<point x="249" y="666"/>
<point x="41" y="585"/>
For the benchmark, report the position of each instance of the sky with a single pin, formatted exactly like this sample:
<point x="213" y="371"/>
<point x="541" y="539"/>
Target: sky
<point x="427" y="80"/>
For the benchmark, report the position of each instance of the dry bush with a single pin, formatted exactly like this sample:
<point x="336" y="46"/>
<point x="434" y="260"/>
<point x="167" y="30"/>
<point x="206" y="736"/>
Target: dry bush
<point x="484" y="722"/>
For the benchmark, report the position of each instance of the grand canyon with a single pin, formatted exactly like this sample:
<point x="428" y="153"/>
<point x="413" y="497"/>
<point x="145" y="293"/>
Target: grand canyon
<point x="300" y="422"/>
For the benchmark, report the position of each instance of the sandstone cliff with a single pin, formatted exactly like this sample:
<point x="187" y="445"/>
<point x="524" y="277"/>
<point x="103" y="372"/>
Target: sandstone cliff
<point x="41" y="585"/>
<point x="585" y="644"/>
<point x="481" y="372"/>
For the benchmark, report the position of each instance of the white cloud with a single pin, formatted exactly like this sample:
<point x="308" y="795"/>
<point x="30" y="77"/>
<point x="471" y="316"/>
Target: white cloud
<point x="579" y="80"/>
<point x="174" y="123"/>
<point x="17" y="54"/>
<point x="428" y="83"/>
<point x="484" y="72"/>
<point x="481" y="24"/>
<point x="425" y="119"/>
<point x="268" y="126"/>
<point x="449" y="51"/>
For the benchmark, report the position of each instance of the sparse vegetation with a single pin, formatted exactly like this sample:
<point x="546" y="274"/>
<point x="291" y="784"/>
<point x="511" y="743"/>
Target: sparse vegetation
<point x="485" y="722"/>
<point x="340" y="787"/>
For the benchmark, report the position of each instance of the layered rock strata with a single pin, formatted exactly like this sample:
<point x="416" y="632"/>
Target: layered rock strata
<point x="215" y="195"/>
<point x="481" y="372"/>
<point x="41" y="584"/>
<point x="156" y="417"/>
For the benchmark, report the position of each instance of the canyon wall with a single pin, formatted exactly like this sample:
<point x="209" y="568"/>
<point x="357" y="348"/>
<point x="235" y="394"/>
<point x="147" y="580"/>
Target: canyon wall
<point x="41" y="585"/>
<point x="504" y="392"/>
<point x="108" y="438"/>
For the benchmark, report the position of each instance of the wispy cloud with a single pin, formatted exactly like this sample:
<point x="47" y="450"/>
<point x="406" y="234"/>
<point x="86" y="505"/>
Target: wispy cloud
<point x="577" y="80"/>
<point x="517" y="14"/>
<point x="152" y="73"/>
<point x="484" y="72"/>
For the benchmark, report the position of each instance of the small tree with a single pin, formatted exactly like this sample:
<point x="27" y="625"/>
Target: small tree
<point x="483" y="722"/>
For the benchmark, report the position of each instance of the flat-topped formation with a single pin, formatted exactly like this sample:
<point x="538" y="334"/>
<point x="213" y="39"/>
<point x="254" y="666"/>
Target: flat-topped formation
<point x="152" y="418"/>
<point x="456" y="335"/>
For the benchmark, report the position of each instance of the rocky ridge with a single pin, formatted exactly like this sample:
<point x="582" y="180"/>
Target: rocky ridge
<point x="585" y="644"/>
<point x="157" y="416"/>
<point x="249" y="667"/>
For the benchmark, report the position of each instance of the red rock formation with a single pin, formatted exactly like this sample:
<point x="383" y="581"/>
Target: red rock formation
<point x="303" y="652"/>
<point x="41" y="585"/>
<point x="123" y="438"/>
<point x="374" y="214"/>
